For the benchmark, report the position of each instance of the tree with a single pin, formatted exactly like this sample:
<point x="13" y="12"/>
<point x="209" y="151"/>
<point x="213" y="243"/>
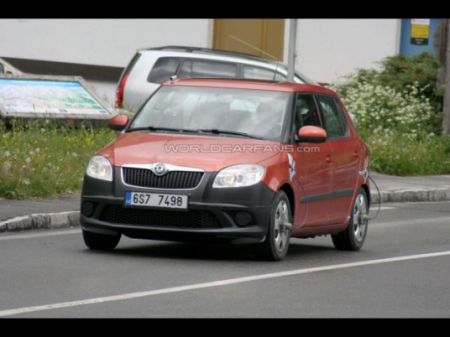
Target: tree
<point x="444" y="78"/>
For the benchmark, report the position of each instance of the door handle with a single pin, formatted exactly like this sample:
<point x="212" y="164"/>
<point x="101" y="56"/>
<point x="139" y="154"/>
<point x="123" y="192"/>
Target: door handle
<point x="328" y="159"/>
<point x="355" y="154"/>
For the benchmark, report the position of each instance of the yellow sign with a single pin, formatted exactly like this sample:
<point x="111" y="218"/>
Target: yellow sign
<point x="420" y="31"/>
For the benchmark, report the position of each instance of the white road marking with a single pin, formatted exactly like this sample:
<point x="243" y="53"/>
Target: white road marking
<point x="219" y="283"/>
<point x="39" y="235"/>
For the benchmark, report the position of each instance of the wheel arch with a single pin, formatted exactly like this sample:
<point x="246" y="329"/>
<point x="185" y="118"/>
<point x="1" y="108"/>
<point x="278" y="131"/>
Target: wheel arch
<point x="287" y="188"/>
<point x="366" y="189"/>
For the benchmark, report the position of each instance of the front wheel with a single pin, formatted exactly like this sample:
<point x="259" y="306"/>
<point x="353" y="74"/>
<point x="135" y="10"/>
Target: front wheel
<point x="276" y="243"/>
<point x="355" y="234"/>
<point x="97" y="241"/>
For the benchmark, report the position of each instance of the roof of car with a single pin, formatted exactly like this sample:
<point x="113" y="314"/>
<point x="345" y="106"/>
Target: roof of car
<point x="219" y="52"/>
<point x="249" y="84"/>
<point x="224" y="55"/>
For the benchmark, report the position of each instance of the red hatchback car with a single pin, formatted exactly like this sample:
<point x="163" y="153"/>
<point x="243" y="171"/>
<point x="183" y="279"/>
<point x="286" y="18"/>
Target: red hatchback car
<point x="240" y="161"/>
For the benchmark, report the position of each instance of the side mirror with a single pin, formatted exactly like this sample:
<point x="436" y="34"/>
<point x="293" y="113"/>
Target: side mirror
<point x="311" y="134"/>
<point x="118" y="122"/>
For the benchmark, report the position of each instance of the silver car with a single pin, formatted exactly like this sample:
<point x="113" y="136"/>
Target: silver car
<point x="151" y="67"/>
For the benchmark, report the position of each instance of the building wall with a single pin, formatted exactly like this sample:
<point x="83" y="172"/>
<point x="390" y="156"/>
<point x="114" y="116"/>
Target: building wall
<point x="107" y="42"/>
<point x="326" y="48"/>
<point x="407" y="48"/>
<point x="330" y="48"/>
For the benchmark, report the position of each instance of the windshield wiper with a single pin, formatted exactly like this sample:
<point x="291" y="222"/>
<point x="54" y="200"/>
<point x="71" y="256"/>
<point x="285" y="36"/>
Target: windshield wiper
<point x="227" y="132"/>
<point x="213" y="131"/>
<point x="159" y="128"/>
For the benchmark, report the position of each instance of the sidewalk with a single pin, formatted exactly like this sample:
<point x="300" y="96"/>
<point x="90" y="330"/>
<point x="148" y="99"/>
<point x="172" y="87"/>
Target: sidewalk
<point x="63" y="212"/>
<point x="404" y="189"/>
<point x="13" y="208"/>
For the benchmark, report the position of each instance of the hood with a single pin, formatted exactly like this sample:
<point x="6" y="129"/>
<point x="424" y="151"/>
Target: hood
<point x="209" y="153"/>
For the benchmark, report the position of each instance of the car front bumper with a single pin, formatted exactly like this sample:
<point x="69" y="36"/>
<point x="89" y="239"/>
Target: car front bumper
<point x="239" y="215"/>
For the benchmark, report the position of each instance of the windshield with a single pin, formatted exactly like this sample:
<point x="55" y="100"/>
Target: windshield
<point x="255" y="113"/>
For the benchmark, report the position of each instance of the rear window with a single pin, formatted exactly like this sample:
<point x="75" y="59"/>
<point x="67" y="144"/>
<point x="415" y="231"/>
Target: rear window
<point x="164" y="68"/>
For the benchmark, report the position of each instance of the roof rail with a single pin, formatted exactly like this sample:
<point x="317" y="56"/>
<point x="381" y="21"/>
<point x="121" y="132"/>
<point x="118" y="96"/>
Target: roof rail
<point x="230" y="79"/>
<point x="189" y="49"/>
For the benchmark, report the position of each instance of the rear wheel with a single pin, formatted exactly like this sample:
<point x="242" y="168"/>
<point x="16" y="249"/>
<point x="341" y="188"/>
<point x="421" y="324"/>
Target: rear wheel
<point x="276" y="244"/>
<point x="355" y="234"/>
<point x="97" y="241"/>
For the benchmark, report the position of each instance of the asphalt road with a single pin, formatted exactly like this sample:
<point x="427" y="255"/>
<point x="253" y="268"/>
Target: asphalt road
<point x="402" y="271"/>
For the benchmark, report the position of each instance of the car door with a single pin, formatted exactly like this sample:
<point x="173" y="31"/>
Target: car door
<point x="312" y="166"/>
<point x="344" y="157"/>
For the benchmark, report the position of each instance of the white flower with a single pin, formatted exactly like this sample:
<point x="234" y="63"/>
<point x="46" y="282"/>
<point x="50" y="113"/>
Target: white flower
<point x="7" y="166"/>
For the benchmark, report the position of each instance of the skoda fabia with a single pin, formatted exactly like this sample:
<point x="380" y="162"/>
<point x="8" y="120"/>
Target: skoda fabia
<point x="254" y="162"/>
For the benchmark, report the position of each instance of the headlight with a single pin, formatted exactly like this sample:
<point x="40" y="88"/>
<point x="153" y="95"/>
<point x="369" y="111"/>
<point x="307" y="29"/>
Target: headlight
<point x="239" y="176"/>
<point x="100" y="168"/>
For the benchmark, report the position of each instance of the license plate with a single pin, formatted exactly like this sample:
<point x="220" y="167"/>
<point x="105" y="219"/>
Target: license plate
<point x="156" y="200"/>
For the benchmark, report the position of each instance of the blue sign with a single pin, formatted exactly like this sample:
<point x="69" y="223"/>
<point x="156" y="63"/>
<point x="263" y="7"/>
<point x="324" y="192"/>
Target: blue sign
<point x="34" y="97"/>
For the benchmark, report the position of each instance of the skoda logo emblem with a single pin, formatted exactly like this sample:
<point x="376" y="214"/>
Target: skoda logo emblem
<point x="160" y="169"/>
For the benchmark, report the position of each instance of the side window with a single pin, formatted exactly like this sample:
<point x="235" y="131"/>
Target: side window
<point x="202" y="68"/>
<point x="333" y="117"/>
<point x="280" y="77"/>
<point x="306" y="111"/>
<point x="257" y="73"/>
<point x="164" y="68"/>
<point x="2" y="68"/>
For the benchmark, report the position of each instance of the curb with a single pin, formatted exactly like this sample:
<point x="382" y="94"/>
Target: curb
<point x="41" y="221"/>
<point x="410" y="195"/>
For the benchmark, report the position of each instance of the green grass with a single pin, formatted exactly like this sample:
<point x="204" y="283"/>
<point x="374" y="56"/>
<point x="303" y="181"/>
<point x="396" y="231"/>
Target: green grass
<point x="44" y="160"/>
<point x="400" y="155"/>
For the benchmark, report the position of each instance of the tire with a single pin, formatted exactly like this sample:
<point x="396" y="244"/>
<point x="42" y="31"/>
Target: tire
<point x="353" y="237"/>
<point x="276" y="243"/>
<point x="96" y="241"/>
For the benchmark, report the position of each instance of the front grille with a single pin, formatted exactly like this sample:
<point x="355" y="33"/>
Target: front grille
<point x="173" y="179"/>
<point x="164" y="218"/>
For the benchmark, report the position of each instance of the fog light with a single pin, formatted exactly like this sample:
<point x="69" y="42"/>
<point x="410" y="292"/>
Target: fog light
<point x="87" y="209"/>
<point x="243" y="219"/>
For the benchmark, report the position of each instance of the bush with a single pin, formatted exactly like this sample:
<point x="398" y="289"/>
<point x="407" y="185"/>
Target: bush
<point x="399" y="72"/>
<point x="397" y="112"/>
<point x="381" y="109"/>
<point x="402" y="96"/>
